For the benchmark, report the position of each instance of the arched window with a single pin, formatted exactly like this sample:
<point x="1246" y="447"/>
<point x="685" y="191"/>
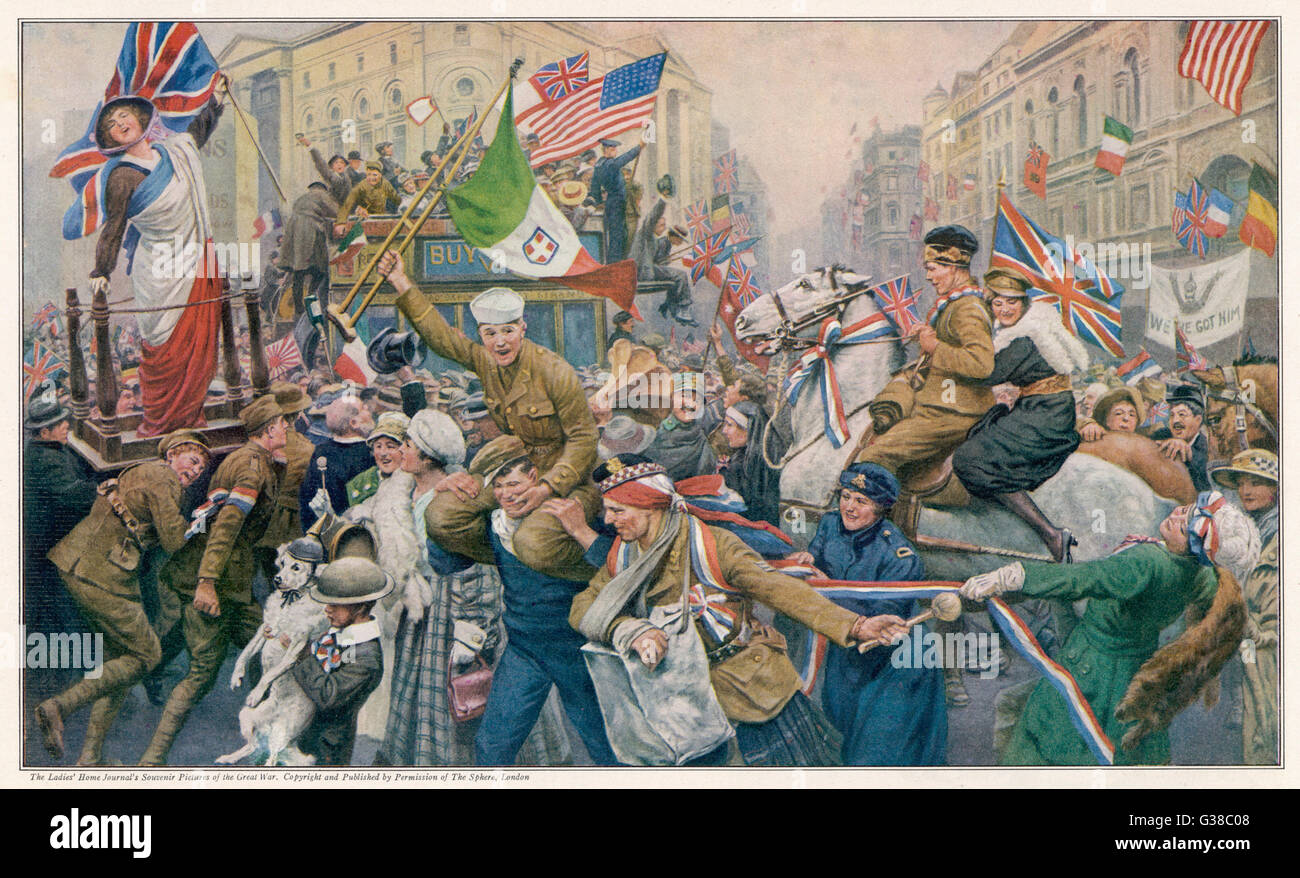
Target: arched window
<point x="1081" y="109"/>
<point x="1054" y="122"/>
<point x="335" y="113"/>
<point x="1135" y="103"/>
<point x="395" y="99"/>
<point x="363" y="108"/>
<point x="464" y="86"/>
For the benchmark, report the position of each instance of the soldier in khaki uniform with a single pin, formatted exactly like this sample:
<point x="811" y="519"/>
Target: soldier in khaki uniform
<point x="98" y="562"/>
<point x="373" y="195"/>
<point x="286" y="521"/>
<point x="754" y="681"/>
<point x="914" y="427"/>
<point x="210" y="580"/>
<point x="531" y="393"/>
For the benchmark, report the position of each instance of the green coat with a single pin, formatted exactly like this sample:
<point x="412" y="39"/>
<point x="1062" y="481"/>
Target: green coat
<point x="224" y="551"/>
<point x="1133" y="595"/>
<point x="363" y="486"/>
<point x="100" y="549"/>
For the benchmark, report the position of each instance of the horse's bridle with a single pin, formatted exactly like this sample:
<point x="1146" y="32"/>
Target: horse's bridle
<point x="1234" y="396"/>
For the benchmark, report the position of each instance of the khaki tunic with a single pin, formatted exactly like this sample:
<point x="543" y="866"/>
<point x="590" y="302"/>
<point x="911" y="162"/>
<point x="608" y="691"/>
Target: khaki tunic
<point x="538" y="398"/>
<point x="224" y="552"/>
<point x="753" y="685"/>
<point x="101" y="550"/>
<point x="939" y="414"/>
<point x="1259" y="731"/>
<point x="286" y="520"/>
<point x="373" y="198"/>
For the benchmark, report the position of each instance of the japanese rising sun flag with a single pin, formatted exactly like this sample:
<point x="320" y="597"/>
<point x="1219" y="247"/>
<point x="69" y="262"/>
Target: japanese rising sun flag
<point x="502" y="211"/>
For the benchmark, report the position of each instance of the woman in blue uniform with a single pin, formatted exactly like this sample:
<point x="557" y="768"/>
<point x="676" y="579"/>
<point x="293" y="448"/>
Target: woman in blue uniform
<point x="888" y="715"/>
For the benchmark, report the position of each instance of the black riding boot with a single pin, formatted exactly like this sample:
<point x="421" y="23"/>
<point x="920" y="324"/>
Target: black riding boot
<point x="1057" y="539"/>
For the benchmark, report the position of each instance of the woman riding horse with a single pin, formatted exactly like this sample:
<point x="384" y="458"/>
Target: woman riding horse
<point x="1014" y="449"/>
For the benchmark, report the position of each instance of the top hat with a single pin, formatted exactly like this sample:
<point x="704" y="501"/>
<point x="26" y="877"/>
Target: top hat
<point x="390" y="350"/>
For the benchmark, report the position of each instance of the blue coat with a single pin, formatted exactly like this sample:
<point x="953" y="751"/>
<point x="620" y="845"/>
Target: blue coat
<point x="888" y="715"/>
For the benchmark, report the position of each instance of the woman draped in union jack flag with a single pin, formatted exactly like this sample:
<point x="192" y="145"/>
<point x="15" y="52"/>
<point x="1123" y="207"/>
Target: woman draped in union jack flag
<point x="155" y="198"/>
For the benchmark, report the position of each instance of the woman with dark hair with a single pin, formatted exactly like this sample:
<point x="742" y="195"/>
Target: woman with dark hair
<point x="1013" y="449"/>
<point x="155" y="200"/>
<point x="746" y="472"/>
<point x="888" y="715"/>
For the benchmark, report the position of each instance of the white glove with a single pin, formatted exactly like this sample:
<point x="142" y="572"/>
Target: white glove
<point x="98" y="285"/>
<point x="320" y="504"/>
<point x="469" y="641"/>
<point x="997" y="582"/>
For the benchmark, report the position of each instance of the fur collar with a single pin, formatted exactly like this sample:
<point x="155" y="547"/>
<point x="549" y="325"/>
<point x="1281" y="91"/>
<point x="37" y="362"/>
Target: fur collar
<point x="1042" y="325"/>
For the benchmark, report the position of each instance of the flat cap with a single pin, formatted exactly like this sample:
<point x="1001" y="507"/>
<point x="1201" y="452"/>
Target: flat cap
<point x="183" y="436"/>
<point x="260" y="412"/>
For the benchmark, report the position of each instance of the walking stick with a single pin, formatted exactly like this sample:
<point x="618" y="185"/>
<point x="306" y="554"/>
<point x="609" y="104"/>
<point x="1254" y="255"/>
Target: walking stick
<point x="338" y="313"/>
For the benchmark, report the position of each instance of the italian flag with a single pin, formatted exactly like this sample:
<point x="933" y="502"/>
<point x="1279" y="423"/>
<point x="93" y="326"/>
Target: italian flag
<point x="351" y="244"/>
<point x="1114" y="146"/>
<point x="1259" y="225"/>
<point x="502" y="211"/>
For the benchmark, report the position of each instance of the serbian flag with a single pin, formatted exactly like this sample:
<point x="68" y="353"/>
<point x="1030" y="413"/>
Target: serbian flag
<point x="1259" y="225"/>
<point x="1114" y="146"/>
<point x="502" y="209"/>
<point x="1036" y="170"/>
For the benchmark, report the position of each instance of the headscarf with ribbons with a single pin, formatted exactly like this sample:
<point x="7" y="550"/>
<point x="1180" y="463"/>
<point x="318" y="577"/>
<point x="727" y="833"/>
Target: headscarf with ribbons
<point x="1202" y="529"/>
<point x="818" y="358"/>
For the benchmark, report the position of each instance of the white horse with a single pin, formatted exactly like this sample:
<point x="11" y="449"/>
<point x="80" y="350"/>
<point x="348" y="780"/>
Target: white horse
<point x="1099" y="502"/>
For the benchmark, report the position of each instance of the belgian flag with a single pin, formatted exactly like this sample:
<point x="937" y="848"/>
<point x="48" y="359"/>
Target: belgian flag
<point x="1259" y="225"/>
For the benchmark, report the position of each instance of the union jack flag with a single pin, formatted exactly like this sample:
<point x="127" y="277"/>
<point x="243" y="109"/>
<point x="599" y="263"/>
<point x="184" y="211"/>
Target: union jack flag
<point x="282" y="356"/>
<point x="1188" y="358"/>
<point x="740" y="283"/>
<point x="462" y="125"/>
<point x="725" y="172"/>
<point x="897" y="300"/>
<point x="1088" y="300"/>
<point x="166" y="62"/>
<point x="39" y="363"/>
<point x="705" y="252"/>
<point x="1198" y="215"/>
<point x="45" y="315"/>
<point x="737" y="293"/>
<point x="697" y="219"/>
<point x="559" y="79"/>
<point x="1157" y="415"/>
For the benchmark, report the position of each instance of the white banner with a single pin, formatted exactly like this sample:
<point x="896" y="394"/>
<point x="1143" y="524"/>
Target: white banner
<point x="1208" y="301"/>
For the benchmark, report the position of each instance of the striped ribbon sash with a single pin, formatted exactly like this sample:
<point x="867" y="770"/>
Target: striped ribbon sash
<point x="1010" y="624"/>
<point x="204" y="513"/>
<point x="817" y="359"/>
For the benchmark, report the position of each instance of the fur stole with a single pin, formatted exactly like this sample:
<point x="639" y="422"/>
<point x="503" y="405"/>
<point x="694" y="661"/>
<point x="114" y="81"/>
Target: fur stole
<point x="1042" y="325"/>
<point x="1172" y="678"/>
<point x="399" y="549"/>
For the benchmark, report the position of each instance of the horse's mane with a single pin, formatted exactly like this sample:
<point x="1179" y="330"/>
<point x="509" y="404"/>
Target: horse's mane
<point x="1254" y="360"/>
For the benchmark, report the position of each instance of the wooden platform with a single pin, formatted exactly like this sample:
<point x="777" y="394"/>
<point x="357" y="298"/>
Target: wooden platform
<point x="111" y="452"/>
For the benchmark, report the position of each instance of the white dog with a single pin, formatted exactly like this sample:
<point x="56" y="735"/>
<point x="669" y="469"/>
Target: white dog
<point x="291" y="620"/>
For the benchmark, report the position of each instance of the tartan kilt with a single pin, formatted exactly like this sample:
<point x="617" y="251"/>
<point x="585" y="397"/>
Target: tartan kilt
<point x="800" y="735"/>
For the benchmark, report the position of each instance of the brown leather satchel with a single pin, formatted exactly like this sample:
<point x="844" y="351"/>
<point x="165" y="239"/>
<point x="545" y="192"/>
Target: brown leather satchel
<point x="468" y="692"/>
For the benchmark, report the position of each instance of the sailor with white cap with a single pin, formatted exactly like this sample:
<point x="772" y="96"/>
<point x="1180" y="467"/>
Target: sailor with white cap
<point x="530" y="392"/>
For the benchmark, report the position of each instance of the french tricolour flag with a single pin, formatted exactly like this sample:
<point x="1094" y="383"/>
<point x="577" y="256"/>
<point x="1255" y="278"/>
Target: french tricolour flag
<point x="267" y="222"/>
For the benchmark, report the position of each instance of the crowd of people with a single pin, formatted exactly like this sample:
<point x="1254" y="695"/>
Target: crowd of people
<point x="520" y="508"/>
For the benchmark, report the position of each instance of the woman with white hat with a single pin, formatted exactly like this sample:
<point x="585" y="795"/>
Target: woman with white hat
<point x="1253" y="475"/>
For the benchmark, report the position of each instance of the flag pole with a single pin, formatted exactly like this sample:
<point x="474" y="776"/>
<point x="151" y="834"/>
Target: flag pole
<point x="347" y="322"/>
<point x="261" y="155"/>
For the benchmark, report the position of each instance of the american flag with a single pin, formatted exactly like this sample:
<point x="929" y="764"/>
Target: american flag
<point x="897" y="300"/>
<point x="1220" y="55"/>
<point x="697" y="219"/>
<point x="283" y="356"/>
<point x="619" y="101"/>
<point x="39" y="363"/>
<point x="1088" y="300"/>
<point x="559" y="79"/>
<point x="1200" y="213"/>
<point x="1188" y="358"/>
<point x="705" y="252"/>
<point x="725" y="172"/>
<point x="166" y="62"/>
<point x="740" y="220"/>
